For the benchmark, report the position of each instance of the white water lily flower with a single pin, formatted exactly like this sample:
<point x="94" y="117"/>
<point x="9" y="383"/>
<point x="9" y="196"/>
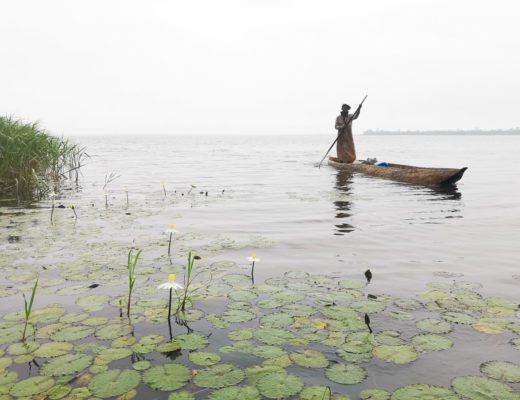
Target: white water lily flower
<point x="253" y="258"/>
<point x="170" y="284"/>
<point x="171" y="230"/>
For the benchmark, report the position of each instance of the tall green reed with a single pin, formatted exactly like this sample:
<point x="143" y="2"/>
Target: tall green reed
<point x="33" y="161"/>
<point x="28" y="308"/>
<point x="188" y="280"/>
<point x="132" y="263"/>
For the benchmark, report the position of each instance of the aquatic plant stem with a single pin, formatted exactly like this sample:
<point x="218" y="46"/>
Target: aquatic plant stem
<point x="28" y="308"/>
<point x="170" y="305"/>
<point x="170" y="243"/>
<point x="253" y="273"/>
<point x="132" y="263"/>
<point x="164" y="190"/>
<point x="52" y="209"/>
<point x="74" y="209"/>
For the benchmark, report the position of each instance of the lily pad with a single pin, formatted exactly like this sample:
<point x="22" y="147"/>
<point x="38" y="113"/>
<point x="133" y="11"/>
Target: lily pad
<point x="167" y="377"/>
<point x="309" y="358"/>
<point x="183" y="395"/>
<point x="315" y="393"/>
<point x="191" y="341"/>
<point x="241" y="334"/>
<point x="106" y="356"/>
<point x="491" y="326"/>
<point x="32" y="386"/>
<point x="67" y="364"/>
<point x="114" y="382"/>
<point x="502" y="371"/>
<point x="347" y="374"/>
<point x="204" y="358"/>
<point x="273" y="336"/>
<point x="374" y="394"/>
<point x="432" y="342"/>
<point x="219" y="376"/>
<point x="397" y="354"/>
<point x="458" y="318"/>
<point x="481" y="388"/>
<point x="72" y="333"/>
<point x="238" y="316"/>
<point x="141" y="365"/>
<point x="277" y="320"/>
<point x="235" y="393"/>
<point x="279" y="385"/>
<point x="17" y="349"/>
<point x="432" y="325"/>
<point x="352" y="284"/>
<point x="423" y="392"/>
<point x="93" y="302"/>
<point x="268" y="351"/>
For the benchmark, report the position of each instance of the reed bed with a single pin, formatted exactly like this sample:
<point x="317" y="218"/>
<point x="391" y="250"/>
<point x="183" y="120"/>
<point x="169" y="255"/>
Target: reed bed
<point x="33" y="162"/>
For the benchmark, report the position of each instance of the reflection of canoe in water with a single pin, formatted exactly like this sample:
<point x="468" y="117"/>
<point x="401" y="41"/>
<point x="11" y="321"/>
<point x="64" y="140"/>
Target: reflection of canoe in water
<point x="405" y="173"/>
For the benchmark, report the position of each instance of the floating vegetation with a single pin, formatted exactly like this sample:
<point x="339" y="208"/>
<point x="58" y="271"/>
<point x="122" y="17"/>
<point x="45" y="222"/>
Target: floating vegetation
<point x="296" y="335"/>
<point x="28" y="305"/>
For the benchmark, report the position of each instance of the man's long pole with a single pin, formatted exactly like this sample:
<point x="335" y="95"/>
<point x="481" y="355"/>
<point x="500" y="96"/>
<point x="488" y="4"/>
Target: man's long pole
<point x="348" y="122"/>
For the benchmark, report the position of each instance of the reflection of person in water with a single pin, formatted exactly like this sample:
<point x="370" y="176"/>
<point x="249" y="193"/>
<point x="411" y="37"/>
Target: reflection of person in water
<point x="343" y="181"/>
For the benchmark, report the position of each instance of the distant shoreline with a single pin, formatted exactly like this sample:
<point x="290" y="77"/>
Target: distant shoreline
<point x="496" y="132"/>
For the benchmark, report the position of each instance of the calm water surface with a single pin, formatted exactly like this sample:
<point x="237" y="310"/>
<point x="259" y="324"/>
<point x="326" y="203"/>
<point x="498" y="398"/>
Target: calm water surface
<point x="329" y="221"/>
<point x="267" y="189"/>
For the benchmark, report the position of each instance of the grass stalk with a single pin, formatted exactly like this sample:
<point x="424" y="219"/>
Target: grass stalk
<point x="132" y="263"/>
<point x="28" y="308"/>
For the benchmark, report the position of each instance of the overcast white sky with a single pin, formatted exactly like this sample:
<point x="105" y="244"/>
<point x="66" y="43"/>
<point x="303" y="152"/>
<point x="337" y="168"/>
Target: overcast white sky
<point x="263" y="66"/>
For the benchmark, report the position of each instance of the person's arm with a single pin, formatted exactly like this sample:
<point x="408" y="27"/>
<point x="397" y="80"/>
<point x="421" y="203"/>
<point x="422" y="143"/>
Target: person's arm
<point x="356" y="114"/>
<point x="340" y="123"/>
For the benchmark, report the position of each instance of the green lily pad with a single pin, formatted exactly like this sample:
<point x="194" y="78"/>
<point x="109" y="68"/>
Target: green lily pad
<point x="238" y="316"/>
<point x="32" y="386"/>
<point x="17" y="349"/>
<point x="297" y="274"/>
<point x="204" y="358"/>
<point x="72" y="333"/>
<point x="481" y="388"/>
<point x="94" y="302"/>
<point x="402" y="315"/>
<point x="277" y="320"/>
<point x="282" y="361"/>
<point x="123" y="341"/>
<point x="352" y="284"/>
<point x="391" y="338"/>
<point x="95" y="321"/>
<point x="67" y="364"/>
<point x="114" y="382"/>
<point x="491" y="326"/>
<point x="242" y="295"/>
<point x="241" y="334"/>
<point x="59" y="392"/>
<point x="73" y="317"/>
<point x="315" y="393"/>
<point x="113" y="331"/>
<point x="432" y="342"/>
<point x="502" y="371"/>
<point x="273" y="336"/>
<point x="168" y="347"/>
<point x="423" y="392"/>
<point x="458" y="318"/>
<point x="182" y="395"/>
<point x="340" y="313"/>
<point x="219" y="376"/>
<point x="368" y="306"/>
<point x="396" y="354"/>
<point x="309" y="358"/>
<point x="167" y="376"/>
<point x="408" y="304"/>
<point x="106" y="356"/>
<point x="141" y="365"/>
<point x="268" y="351"/>
<point x="256" y="372"/>
<point x="374" y="394"/>
<point x="432" y="325"/>
<point x="299" y="310"/>
<point x="191" y="341"/>
<point x="279" y="385"/>
<point x="347" y="374"/>
<point x="235" y="393"/>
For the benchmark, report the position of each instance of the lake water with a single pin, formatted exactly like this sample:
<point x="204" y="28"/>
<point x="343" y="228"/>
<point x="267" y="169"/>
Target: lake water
<point x="323" y="220"/>
<point x="232" y="196"/>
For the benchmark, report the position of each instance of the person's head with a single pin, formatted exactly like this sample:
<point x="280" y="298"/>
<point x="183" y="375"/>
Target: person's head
<point x="344" y="109"/>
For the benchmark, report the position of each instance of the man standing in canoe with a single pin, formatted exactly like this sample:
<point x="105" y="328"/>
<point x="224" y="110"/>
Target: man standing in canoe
<point x="345" y="145"/>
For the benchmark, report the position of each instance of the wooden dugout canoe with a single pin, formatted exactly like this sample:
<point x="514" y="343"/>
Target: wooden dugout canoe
<point x="405" y="173"/>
